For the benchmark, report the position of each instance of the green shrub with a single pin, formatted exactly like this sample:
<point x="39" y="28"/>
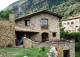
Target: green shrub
<point x="43" y="48"/>
<point x="77" y="46"/>
<point x="69" y="36"/>
<point x="40" y="49"/>
<point x="79" y="38"/>
<point x="9" y="45"/>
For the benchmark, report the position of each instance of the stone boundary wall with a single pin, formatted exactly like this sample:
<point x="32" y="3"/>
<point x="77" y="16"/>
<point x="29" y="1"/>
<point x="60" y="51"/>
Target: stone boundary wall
<point x="7" y="31"/>
<point x="61" y="46"/>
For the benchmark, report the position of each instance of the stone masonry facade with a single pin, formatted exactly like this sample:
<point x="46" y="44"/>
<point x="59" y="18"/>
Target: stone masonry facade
<point x="53" y="26"/>
<point x="7" y="32"/>
<point x="60" y="46"/>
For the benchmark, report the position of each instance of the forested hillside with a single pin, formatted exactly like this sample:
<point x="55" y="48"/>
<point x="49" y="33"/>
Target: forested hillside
<point x="66" y="8"/>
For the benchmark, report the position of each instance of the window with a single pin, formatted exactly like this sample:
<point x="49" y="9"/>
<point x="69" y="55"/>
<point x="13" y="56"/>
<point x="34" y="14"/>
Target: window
<point x="76" y="26"/>
<point x="68" y="23"/>
<point x="54" y="34"/>
<point x="44" y="23"/>
<point x="64" y="28"/>
<point x="69" y="30"/>
<point x="27" y="22"/>
<point x="76" y="22"/>
<point x="72" y="23"/>
<point x="64" y="24"/>
<point x="45" y="37"/>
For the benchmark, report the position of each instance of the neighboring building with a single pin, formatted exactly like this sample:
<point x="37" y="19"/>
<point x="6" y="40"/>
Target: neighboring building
<point x="71" y="24"/>
<point x="40" y="29"/>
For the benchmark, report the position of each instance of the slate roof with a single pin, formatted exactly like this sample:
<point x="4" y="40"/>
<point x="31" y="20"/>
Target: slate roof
<point x="71" y="18"/>
<point x="43" y="11"/>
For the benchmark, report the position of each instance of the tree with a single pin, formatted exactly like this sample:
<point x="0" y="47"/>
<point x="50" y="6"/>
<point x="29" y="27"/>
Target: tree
<point x="5" y="14"/>
<point x="79" y="29"/>
<point x="79" y="38"/>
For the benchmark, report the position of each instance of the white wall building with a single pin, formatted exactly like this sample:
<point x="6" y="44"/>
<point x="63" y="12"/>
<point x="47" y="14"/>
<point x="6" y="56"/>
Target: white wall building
<point x="71" y="24"/>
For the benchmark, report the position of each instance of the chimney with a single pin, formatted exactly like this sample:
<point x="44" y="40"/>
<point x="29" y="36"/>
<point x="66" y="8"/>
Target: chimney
<point x="11" y="17"/>
<point x="30" y="11"/>
<point x="12" y="28"/>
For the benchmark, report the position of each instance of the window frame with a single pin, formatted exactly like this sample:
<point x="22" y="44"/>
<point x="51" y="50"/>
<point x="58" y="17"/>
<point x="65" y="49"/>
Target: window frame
<point x="54" y="34"/>
<point x="44" y="23"/>
<point x="27" y="22"/>
<point x="68" y="23"/>
<point x="72" y="23"/>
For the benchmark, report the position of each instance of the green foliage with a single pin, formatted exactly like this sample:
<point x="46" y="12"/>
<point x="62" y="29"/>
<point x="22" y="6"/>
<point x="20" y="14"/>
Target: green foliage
<point x="41" y="49"/>
<point x="77" y="46"/>
<point x="60" y="24"/>
<point x="77" y="49"/>
<point x="21" y="52"/>
<point x="9" y="45"/>
<point x="64" y="34"/>
<point x="79" y="38"/>
<point x="77" y="54"/>
<point x="5" y="14"/>
<point x="67" y="35"/>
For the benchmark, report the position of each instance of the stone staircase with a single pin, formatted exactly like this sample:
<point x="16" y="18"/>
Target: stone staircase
<point x="20" y="46"/>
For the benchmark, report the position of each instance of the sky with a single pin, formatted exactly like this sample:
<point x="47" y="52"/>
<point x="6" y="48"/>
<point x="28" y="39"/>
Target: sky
<point x="5" y="3"/>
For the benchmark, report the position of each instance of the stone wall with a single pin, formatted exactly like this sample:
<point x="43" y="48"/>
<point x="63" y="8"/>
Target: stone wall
<point x="53" y="25"/>
<point x="61" y="46"/>
<point x="7" y="31"/>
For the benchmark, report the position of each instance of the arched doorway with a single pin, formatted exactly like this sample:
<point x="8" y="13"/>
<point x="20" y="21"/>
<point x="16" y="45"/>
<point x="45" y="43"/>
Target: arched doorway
<point x="66" y="53"/>
<point x="19" y="38"/>
<point x="45" y="37"/>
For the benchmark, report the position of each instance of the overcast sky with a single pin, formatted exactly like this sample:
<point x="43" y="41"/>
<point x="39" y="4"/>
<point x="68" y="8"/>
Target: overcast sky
<point x="5" y="3"/>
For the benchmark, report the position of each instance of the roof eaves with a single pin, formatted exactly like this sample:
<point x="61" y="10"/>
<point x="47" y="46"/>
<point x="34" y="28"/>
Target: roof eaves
<point x="70" y="18"/>
<point x="44" y="11"/>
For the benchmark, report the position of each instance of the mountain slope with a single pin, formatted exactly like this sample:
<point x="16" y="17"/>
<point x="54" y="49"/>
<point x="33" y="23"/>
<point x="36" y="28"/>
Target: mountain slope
<point x="65" y="7"/>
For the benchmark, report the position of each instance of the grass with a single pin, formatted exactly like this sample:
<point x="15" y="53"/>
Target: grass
<point x="10" y="52"/>
<point x="21" y="52"/>
<point x="30" y="52"/>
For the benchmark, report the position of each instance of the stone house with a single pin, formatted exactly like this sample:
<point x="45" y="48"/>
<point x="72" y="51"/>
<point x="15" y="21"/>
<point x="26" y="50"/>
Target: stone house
<point x="40" y="29"/>
<point x="41" y="26"/>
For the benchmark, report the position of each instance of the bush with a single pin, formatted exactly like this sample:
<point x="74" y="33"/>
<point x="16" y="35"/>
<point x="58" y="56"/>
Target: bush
<point x="9" y="45"/>
<point x="41" y="49"/>
<point x="79" y="38"/>
<point x="69" y="36"/>
<point x="77" y="46"/>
